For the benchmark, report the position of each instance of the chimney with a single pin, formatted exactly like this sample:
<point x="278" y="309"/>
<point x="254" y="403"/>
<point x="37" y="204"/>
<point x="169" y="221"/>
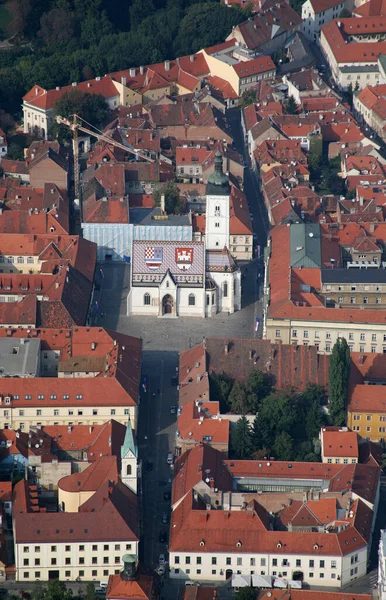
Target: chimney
<point x="74" y="84"/>
<point x="192" y="58"/>
<point x="372" y="227"/>
<point x="123" y="78"/>
<point x="163" y="211"/>
<point x="93" y="346"/>
<point x="226" y="347"/>
<point x="198" y="379"/>
<point x="69" y="429"/>
<point x="141" y="69"/>
<point x="167" y="65"/>
<point x="90" y="429"/>
<point x="132" y="72"/>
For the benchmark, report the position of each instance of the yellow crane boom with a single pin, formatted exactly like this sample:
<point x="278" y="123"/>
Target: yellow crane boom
<point x="75" y="126"/>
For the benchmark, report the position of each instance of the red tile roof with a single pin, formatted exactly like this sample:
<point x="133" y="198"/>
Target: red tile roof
<point x="120" y="375"/>
<point x="41" y="98"/>
<point x="292" y="594"/>
<point x="240" y="221"/>
<point x="339" y="443"/>
<point x="354" y="52"/>
<point x="221" y="85"/>
<point x="262" y="27"/>
<point x="110" y="514"/>
<point x="373" y="8"/>
<point x="321" y="5"/>
<point x="93" y="440"/>
<point x="103" y="470"/>
<point x="255" y="66"/>
<point x="140" y="588"/>
<point x="19" y="313"/>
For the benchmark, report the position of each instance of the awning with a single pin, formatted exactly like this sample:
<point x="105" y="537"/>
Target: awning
<point x="241" y="580"/>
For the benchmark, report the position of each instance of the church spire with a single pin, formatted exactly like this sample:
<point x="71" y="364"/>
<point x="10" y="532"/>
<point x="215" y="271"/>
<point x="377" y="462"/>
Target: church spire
<point x="129" y="444"/>
<point x="218" y="182"/>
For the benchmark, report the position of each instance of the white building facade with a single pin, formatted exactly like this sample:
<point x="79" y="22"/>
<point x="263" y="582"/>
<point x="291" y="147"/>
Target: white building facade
<point x="315" y="14"/>
<point x="189" y="278"/>
<point x="382" y="566"/>
<point x="321" y="570"/>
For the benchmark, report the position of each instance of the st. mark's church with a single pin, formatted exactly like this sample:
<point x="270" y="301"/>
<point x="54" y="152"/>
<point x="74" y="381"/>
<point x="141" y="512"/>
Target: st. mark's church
<point x="190" y="279"/>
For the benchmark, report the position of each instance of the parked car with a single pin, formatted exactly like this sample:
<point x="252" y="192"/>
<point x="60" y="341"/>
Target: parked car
<point x="173" y="410"/>
<point x="164" y="518"/>
<point x="170" y="458"/>
<point x="161" y="559"/>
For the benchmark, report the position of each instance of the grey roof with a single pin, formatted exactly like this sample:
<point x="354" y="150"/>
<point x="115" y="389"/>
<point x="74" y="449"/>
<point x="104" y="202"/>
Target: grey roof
<point x="305" y="248"/>
<point x="19" y="357"/>
<point x="150" y="216"/>
<point x="354" y="275"/>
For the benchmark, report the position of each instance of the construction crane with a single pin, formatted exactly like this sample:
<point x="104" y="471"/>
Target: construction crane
<point x="76" y="125"/>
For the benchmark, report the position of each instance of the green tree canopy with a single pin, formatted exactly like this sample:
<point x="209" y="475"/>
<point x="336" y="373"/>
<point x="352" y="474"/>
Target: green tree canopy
<point x="291" y="106"/>
<point x="247" y="97"/>
<point x="220" y="385"/>
<point x="338" y="377"/>
<point x="246" y="593"/>
<point x="241" y="440"/>
<point x="54" y="590"/>
<point x="173" y="203"/>
<point x="57" y="27"/>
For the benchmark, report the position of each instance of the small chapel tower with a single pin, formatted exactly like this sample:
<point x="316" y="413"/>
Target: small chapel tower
<point x="129" y="459"/>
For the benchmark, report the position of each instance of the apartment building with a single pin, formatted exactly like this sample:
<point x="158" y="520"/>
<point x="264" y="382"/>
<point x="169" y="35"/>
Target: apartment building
<point x="254" y="534"/>
<point x="339" y="445"/>
<point x="88" y="544"/>
<point x="330" y="286"/>
<point x="57" y="269"/>
<point x="75" y="374"/>
<point x="370" y="107"/>
<point x="316" y="14"/>
<point x="353" y="48"/>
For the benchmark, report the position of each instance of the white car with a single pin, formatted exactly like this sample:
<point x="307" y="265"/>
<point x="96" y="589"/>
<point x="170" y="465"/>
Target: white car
<point x="170" y="458"/>
<point x="161" y="559"/>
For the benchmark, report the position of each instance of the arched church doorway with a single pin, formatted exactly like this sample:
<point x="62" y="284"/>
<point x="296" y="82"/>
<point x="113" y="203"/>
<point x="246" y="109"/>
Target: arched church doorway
<point x="167" y="305"/>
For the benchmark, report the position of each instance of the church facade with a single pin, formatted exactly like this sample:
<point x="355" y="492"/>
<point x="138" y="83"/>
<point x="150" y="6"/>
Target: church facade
<point x="191" y="279"/>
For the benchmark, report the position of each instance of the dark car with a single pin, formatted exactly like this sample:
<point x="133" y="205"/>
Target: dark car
<point x="149" y="465"/>
<point x="164" y="518"/>
<point x="167" y="496"/>
<point x="162" y="536"/>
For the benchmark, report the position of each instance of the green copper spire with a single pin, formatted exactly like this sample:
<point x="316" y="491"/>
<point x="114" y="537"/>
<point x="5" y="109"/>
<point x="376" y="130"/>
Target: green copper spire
<point x="218" y="182"/>
<point x="129" y="444"/>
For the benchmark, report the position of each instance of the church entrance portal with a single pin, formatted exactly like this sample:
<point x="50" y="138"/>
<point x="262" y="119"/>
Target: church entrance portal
<point x="167" y="305"/>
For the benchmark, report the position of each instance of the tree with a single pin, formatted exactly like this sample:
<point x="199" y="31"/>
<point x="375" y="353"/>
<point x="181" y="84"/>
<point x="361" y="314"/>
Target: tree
<point x="315" y="157"/>
<point x="15" y="152"/>
<point x="204" y="25"/>
<point x="91" y="107"/>
<point x="220" y="385"/>
<point x="345" y="14"/>
<point x="291" y="106"/>
<point x="173" y="203"/>
<point x="247" y="97"/>
<point x="242" y="444"/>
<point x="246" y="593"/>
<point x="7" y="122"/>
<point x="238" y="399"/>
<point x="283" y="446"/>
<point x="90" y="591"/>
<point x="336" y="184"/>
<point x="57" y="26"/>
<point x="338" y="376"/>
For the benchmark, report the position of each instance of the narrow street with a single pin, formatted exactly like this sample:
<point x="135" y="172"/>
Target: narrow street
<point x="256" y="204"/>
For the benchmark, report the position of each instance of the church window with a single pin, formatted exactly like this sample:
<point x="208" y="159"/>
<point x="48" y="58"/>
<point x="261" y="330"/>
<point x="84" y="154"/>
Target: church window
<point x="146" y="299"/>
<point x="207" y="300"/>
<point x="225" y="289"/>
<point x="192" y="300"/>
<point x="128" y="470"/>
<point x="217" y="224"/>
<point x="212" y="299"/>
<point x="217" y="210"/>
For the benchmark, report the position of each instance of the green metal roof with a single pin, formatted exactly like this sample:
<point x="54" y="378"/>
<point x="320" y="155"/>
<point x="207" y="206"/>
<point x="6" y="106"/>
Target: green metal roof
<point x="129" y="443"/>
<point x="305" y="248"/>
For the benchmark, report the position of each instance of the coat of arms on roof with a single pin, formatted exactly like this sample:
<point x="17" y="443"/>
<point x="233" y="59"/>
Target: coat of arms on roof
<point x="153" y="257"/>
<point x="184" y="258"/>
